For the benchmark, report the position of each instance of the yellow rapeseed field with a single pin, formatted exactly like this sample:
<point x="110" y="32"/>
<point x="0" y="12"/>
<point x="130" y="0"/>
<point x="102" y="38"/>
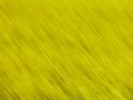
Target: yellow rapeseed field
<point x="66" y="49"/>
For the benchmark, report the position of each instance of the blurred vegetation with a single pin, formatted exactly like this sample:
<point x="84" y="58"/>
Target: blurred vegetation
<point x="66" y="50"/>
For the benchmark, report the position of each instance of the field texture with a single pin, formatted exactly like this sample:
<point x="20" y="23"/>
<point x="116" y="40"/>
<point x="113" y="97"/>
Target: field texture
<point x="66" y="50"/>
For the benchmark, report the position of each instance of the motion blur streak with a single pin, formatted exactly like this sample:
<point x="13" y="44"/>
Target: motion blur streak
<point x="66" y="50"/>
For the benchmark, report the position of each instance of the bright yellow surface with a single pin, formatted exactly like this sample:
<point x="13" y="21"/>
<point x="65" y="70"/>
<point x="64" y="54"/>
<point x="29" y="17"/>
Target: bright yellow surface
<point x="66" y="50"/>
